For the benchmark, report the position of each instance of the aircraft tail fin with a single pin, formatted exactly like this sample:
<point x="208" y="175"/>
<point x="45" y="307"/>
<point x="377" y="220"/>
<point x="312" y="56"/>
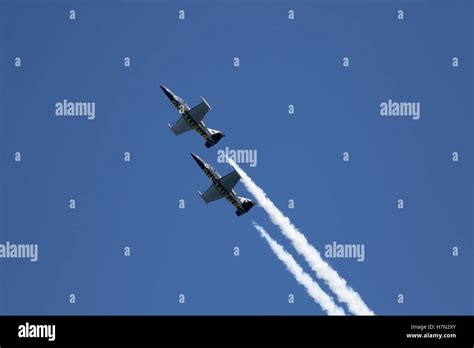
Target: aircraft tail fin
<point x="247" y="204"/>
<point x="215" y="137"/>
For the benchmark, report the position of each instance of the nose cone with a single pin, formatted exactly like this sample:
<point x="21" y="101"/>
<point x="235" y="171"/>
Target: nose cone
<point x="167" y="92"/>
<point x="199" y="161"/>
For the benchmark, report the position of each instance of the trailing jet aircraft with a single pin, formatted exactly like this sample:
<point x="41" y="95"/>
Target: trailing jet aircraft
<point x="192" y="119"/>
<point x="223" y="187"/>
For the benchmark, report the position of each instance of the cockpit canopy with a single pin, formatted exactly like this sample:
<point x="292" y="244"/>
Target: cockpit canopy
<point x="181" y="102"/>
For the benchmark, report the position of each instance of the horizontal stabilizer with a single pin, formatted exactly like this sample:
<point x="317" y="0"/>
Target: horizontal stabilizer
<point x="247" y="204"/>
<point x="214" y="138"/>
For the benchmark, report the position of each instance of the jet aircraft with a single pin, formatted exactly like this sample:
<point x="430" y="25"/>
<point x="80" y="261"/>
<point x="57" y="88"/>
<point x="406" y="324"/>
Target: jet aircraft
<point x="191" y="118"/>
<point x="223" y="187"/>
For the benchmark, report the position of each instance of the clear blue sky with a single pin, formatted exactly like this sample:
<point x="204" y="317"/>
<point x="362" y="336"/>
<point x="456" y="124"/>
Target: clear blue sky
<point x="282" y="62"/>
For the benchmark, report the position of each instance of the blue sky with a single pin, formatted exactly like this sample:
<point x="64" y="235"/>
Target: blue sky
<point x="282" y="62"/>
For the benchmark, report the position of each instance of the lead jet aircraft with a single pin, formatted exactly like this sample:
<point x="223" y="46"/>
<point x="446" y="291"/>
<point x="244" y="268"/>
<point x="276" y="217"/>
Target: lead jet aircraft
<point x="192" y="119"/>
<point x="223" y="187"/>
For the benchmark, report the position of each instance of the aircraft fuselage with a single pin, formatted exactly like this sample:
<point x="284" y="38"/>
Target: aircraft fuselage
<point x="184" y="111"/>
<point x="216" y="182"/>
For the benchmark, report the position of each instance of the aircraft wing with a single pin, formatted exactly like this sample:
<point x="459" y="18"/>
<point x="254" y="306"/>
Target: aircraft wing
<point x="230" y="180"/>
<point x="211" y="194"/>
<point x="199" y="111"/>
<point x="180" y="127"/>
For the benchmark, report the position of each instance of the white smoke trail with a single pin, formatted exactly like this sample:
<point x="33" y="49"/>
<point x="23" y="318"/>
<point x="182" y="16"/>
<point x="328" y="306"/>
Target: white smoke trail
<point x="313" y="289"/>
<point x="323" y="270"/>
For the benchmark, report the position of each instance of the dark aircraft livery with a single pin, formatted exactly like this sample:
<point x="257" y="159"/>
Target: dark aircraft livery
<point x="192" y="119"/>
<point x="223" y="187"/>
